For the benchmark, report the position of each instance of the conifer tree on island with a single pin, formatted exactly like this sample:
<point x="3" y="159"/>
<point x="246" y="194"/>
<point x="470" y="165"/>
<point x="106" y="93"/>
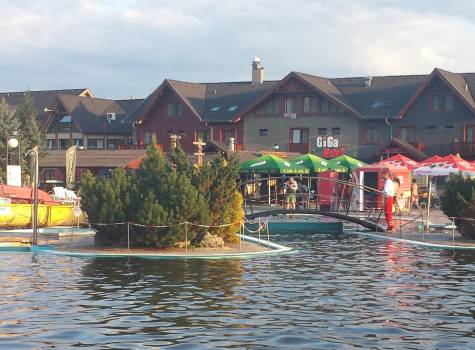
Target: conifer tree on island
<point x="165" y="192"/>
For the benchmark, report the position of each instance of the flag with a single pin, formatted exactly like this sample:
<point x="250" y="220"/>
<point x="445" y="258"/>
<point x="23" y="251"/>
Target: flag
<point x="70" y="166"/>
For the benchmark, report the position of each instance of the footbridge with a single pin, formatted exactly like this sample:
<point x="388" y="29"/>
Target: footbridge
<point x="343" y="199"/>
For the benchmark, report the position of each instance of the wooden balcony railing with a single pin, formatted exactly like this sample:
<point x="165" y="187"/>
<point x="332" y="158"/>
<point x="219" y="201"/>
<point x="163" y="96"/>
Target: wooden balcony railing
<point x="466" y="149"/>
<point x="299" y="147"/>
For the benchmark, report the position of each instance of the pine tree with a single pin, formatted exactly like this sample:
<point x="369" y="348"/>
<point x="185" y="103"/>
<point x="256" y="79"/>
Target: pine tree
<point x="30" y="134"/>
<point x="9" y="125"/>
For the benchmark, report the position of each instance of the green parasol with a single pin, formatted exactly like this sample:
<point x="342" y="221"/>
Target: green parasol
<point x="315" y="163"/>
<point x="273" y="165"/>
<point x="345" y="164"/>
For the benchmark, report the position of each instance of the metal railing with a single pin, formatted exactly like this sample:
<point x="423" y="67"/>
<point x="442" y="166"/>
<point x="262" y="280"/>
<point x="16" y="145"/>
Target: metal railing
<point x="347" y="200"/>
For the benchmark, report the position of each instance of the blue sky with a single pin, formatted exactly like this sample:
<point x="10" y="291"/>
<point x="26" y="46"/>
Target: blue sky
<point x="125" y="48"/>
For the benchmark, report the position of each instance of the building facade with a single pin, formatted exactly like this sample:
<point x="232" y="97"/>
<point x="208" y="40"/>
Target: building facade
<point x="358" y="116"/>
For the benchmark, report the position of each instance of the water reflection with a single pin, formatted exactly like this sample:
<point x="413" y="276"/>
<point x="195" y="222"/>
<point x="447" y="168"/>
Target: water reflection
<point x="336" y="293"/>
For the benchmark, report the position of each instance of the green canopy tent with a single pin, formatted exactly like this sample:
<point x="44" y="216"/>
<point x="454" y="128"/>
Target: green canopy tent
<point x="270" y="164"/>
<point x="314" y="163"/>
<point x="345" y="164"/>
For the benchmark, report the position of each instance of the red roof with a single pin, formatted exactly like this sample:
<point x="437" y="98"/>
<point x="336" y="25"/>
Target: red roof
<point x="399" y="160"/>
<point x="431" y="160"/>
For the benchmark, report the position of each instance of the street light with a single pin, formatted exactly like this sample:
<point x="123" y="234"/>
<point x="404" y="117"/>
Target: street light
<point x="34" y="167"/>
<point x="13" y="171"/>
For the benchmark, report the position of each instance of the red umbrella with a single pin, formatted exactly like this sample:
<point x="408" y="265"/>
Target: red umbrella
<point x="430" y="160"/>
<point x="399" y="160"/>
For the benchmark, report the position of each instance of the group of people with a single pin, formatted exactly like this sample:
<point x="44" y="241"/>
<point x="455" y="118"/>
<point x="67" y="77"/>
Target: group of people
<point x="395" y="197"/>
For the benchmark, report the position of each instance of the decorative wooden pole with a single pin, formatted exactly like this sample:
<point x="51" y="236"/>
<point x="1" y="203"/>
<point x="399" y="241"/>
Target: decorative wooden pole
<point x="199" y="155"/>
<point x="173" y="140"/>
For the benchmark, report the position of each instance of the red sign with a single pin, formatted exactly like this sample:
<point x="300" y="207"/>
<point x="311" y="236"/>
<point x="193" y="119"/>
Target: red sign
<point x="332" y="152"/>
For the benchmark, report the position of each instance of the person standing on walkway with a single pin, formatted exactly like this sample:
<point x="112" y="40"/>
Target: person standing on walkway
<point x="388" y="191"/>
<point x="415" y="197"/>
<point x="291" y="193"/>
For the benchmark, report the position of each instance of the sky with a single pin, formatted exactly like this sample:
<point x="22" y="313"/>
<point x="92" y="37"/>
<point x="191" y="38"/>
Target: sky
<point x="124" y="48"/>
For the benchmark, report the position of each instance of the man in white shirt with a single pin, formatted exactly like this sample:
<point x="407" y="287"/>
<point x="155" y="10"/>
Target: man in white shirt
<point x="388" y="191"/>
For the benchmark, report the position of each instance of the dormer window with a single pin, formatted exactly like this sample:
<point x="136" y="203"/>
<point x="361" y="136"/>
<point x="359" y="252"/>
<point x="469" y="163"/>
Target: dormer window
<point x="215" y="108"/>
<point x="65" y="119"/>
<point x="232" y="108"/>
<point x="174" y="109"/>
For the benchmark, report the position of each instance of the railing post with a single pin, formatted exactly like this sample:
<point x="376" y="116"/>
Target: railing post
<point x="241" y="232"/>
<point x="259" y="231"/>
<point x="453" y="231"/>
<point x="186" y="238"/>
<point x="268" y="235"/>
<point x="128" y="237"/>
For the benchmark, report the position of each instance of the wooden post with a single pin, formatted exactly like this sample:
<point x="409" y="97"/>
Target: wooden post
<point x="199" y="154"/>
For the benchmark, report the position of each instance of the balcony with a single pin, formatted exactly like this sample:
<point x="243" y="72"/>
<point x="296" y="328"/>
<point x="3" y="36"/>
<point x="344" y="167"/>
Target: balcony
<point x="299" y="147"/>
<point x="465" y="149"/>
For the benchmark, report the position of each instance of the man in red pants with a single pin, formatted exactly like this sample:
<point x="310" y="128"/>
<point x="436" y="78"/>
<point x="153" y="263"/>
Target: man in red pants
<point x="388" y="190"/>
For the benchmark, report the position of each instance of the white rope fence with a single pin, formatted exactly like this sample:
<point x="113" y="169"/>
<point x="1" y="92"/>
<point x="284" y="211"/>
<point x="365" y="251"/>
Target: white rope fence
<point x="261" y="226"/>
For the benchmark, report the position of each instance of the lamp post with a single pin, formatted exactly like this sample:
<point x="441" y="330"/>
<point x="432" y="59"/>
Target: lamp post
<point x="34" y="169"/>
<point x="13" y="171"/>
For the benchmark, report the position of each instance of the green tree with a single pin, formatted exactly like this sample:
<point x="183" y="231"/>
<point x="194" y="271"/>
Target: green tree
<point x="30" y="134"/>
<point x="9" y="124"/>
<point x="459" y="201"/>
<point x="218" y="182"/>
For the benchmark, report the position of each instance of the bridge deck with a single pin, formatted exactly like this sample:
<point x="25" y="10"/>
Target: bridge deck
<point x="364" y="223"/>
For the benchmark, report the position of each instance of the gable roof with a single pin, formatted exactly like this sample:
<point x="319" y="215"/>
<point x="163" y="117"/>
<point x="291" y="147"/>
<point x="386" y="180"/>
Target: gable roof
<point x="90" y="114"/>
<point x="42" y="99"/>
<point x="386" y="96"/>
<point x="454" y="81"/>
<point x="408" y="149"/>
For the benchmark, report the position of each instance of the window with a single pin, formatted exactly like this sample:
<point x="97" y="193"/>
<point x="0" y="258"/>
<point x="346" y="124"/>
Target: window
<point x="408" y="134"/>
<point x="95" y="143"/>
<point x="370" y="136"/>
<point x="448" y="129"/>
<point x="174" y="109"/>
<point x="202" y="134"/>
<point x="48" y="174"/>
<point x="146" y="138"/>
<point x="435" y="103"/>
<point x="332" y="107"/>
<point x="215" y="108"/>
<point x="309" y="105"/>
<point x="226" y="135"/>
<point x="324" y="105"/>
<point x="232" y="108"/>
<point x="431" y="129"/>
<point x="64" y="143"/>
<point x="291" y="105"/>
<point x="114" y="143"/>
<point x="51" y="144"/>
<point x="298" y="135"/>
<point x="322" y="131"/>
<point x="262" y="132"/>
<point x="271" y="108"/>
<point x="65" y="119"/>
<point x="78" y="142"/>
<point x="449" y="103"/>
<point x="336" y="131"/>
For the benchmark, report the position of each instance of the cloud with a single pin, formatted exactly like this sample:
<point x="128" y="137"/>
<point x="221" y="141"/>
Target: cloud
<point x="125" y="47"/>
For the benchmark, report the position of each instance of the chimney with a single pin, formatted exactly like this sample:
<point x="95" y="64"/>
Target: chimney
<point x="368" y="81"/>
<point x="257" y="71"/>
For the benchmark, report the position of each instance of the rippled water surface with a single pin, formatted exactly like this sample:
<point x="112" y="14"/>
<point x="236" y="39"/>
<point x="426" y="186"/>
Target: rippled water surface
<point x="335" y="293"/>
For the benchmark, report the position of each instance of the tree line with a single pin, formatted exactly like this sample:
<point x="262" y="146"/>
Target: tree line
<point x="22" y="123"/>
